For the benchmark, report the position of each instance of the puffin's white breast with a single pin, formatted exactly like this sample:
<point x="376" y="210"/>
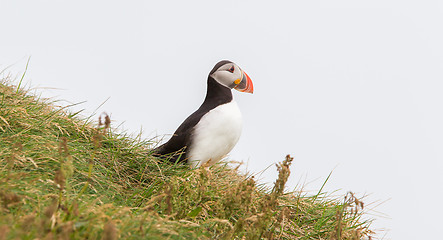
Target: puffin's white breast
<point x="215" y="134"/>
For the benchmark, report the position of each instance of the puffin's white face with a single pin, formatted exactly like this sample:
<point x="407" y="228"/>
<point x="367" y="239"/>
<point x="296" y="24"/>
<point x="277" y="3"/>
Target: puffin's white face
<point x="231" y="76"/>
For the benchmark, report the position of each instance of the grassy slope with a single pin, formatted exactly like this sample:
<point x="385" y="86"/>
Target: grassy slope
<point x="61" y="178"/>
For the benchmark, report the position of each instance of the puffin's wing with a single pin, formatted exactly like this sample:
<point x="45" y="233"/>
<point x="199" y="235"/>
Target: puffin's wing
<point x="181" y="139"/>
<point x="174" y="147"/>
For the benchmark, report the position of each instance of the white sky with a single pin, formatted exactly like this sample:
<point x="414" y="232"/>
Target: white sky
<point x="350" y="86"/>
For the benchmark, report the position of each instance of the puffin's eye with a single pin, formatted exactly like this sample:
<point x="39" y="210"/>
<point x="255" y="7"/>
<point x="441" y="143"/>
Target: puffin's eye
<point x="231" y="69"/>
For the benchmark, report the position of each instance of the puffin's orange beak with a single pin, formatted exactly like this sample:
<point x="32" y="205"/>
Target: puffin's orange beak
<point x="245" y="84"/>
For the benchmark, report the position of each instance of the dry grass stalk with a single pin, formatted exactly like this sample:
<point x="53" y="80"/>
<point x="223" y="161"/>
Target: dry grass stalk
<point x="109" y="231"/>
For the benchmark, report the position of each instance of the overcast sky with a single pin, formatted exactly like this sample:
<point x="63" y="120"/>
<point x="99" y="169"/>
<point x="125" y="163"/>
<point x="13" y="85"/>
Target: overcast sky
<point x="353" y="87"/>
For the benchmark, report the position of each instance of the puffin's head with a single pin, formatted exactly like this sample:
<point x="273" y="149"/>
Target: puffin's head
<point x="231" y="76"/>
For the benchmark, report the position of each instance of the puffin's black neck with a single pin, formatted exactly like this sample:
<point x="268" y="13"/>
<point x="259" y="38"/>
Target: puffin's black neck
<point x="217" y="94"/>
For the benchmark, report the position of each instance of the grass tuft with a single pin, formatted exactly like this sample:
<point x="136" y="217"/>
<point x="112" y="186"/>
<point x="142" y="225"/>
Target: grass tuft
<point x="64" y="177"/>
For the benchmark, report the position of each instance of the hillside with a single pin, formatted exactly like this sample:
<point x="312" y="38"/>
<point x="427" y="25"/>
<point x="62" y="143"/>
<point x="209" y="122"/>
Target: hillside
<point x="65" y="177"/>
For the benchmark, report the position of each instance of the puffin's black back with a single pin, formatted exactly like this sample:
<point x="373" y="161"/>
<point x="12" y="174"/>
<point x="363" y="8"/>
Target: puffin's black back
<point x="216" y="95"/>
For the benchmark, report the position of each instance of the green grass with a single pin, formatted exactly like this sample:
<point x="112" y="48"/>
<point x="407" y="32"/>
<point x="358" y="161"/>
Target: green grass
<point x="64" y="177"/>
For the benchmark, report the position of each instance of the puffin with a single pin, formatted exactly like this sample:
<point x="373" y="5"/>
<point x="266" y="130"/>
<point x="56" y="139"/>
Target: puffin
<point x="212" y="131"/>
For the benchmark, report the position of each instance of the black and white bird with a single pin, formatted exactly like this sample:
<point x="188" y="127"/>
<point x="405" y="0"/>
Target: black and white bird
<point x="210" y="133"/>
